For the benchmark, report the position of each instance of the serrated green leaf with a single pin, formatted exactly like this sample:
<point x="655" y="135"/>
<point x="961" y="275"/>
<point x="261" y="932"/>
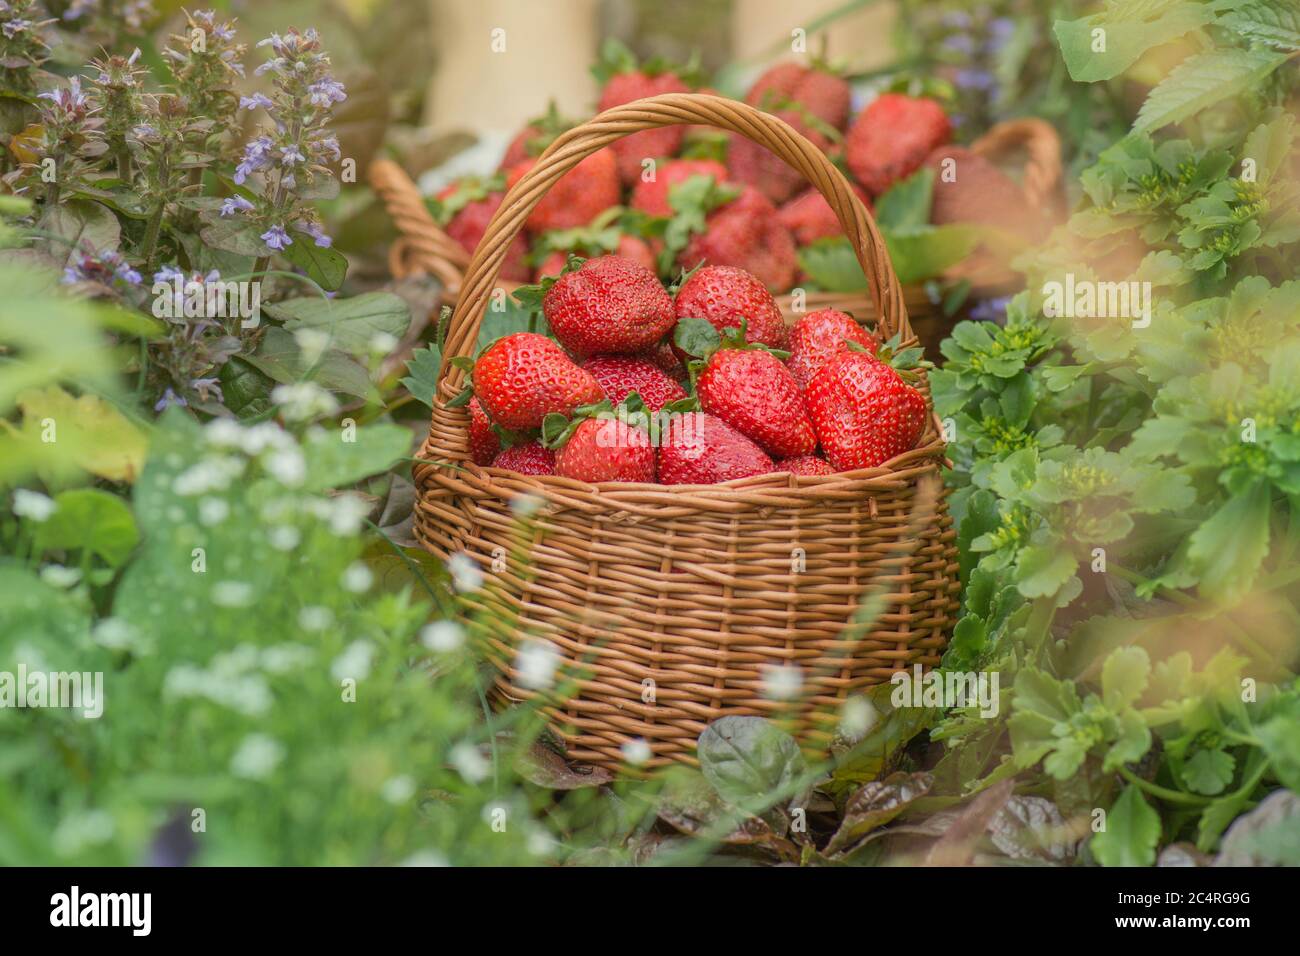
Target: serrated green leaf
<point x="1131" y="834"/>
<point x="1202" y="80"/>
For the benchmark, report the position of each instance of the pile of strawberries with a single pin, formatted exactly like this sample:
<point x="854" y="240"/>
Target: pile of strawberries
<point x="674" y="197"/>
<point x="695" y="385"/>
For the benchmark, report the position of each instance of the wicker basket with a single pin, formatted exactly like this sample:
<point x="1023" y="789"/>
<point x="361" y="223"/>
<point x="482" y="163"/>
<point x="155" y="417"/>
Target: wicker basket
<point x="688" y="594"/>
<point x="422" y="246"/>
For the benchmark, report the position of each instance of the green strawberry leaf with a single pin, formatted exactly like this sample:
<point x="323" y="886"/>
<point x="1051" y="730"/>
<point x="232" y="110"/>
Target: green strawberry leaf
<point x="696" y="337"/>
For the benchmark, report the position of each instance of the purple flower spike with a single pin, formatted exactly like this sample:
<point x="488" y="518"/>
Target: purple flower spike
<point x="276" y="238"/>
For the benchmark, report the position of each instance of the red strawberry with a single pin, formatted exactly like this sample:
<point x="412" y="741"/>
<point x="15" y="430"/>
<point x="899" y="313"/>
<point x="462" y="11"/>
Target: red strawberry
<point x="632" y="151"/>
<point x="805" y="465"/>
<point x="638" y="250"/>
<point x="701" y="449"/>
<point x="891" y="138"/>
<point x="620" y="375"/>
<point x="605" y="449"/>
<point x="968" y="188"/>
<point x="863" y="411"/>
<point x="533" y="139"/>
<point x="745" y="233"/>
<point x="754" y="165"/>
<point x="470" y="221"/>
<point x="610" y="304"/>
<point x="552" y="265"/>
<point x="524" y="377"/>
<point x="808" y="216"/>
<point x="484" y="443"/>
<point x="753" y="392"/>
<point x="581" y="194"/>
<point x="652" y="197"/>
<point x="819" y="335"/>
<point x="527" y="459"/>
<point x="665" y="357"/>
<point x="822" y="93"/>
<point x="724" y="295"/>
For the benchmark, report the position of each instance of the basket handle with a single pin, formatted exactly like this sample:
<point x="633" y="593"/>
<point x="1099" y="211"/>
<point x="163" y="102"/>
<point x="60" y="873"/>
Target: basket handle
<point x="1041" y="143"/>
<point x="667" y="110"/>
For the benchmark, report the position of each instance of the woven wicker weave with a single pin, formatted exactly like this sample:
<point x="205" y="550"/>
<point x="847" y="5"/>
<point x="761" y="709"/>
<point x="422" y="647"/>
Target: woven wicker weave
<point x="422" y="246"/>
<point x="674" y="601"/>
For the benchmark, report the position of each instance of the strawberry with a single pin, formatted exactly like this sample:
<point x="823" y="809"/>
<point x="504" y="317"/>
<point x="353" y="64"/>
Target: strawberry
<point x="892" y="137"/>
<point x="609" y="304"/>
<point x="579" y="196"/>
<point x="651" y="197"/>
<point x="863" y="411"/>
<point x="808" y="216"/>
<point x="724" y="296"/>
<point x="805" y="465"/>
<point x="484" y="443"/>
<point x="747" y="234"/>
<point x="753" y="392"/>
<point x="753" y="165"/>
<point x="468" y="207"/>
<point x="605" y="449"/>
<point x="620" y="375"/>
<point x="622" y="81"/>
<point x="968" y="188"/>
<point x="665" y="357"/>
<point x="524" y="377"/>
<point x="594" y="240"/>
<point x="819" y="91"/>
<point x="532" y="140"/>
<point x="819" y="335"/>
<point x="529" y="458"/>
<point x="701" y="449"/>
<point x="552" y="265"/>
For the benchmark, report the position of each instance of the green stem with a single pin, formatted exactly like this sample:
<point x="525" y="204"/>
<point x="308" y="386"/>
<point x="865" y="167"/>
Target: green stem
<point x="1163" y="793"/>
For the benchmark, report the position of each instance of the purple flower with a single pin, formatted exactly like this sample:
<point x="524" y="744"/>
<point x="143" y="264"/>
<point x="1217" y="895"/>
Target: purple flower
<point x="975" y="79"/>
<point x="959" y="43"/>
<point x="329" y="146"/>
<point x="206" y="386"/>
<point x="990" y="310"/>
<point x="314" y="230"/>
<point x="254" y="101"/>
<point x="1001" y="29"/>
<point x="79" y="8"/>
<point x="291" y="154"/>
<point x="276" y="238"/>
<point x="234" y="204"/>
<point x="169" y="398"/>
<point x="257" y="153"/>
<point x="106" y="268"/>
<point x="14" y="27"/>
<point x="325" y="91"/>
<point x="69" y="98"/>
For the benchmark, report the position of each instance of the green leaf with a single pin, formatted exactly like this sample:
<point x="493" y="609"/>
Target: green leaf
<point x="1208" y="772"/>
<point x="1043" y="571"/>
<point x="1124" y="677"/>
<point x="422" y="380"/>
<point x="1280" y="739"/>
<point x="696" y="337"/>
<point x="906" y="205"/>
<point x="352" y="323"/>
<point x="234" y="235"/>
<point x="1275" y="22"/>
<point x="83" y="226"/>
<point x="1131" y="834"/>
<point x="1130" y="29"/>
<point x="926" y="252"/>
<point x="325" y="265"/>
<point x="749" y="759"/>
<point x="1202" y="80"/>
<point x="335" y="462"/>
<point x="875" y="804"/>
<point x="1131" y="745"/>
<point x="1228" y="549"/>
<point x="831" y="265"/>
<point x="90" y="519"/>
<point x="280" y="358"/>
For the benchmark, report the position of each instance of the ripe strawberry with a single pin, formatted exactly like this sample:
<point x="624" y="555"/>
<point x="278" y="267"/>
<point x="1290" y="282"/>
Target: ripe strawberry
<point x="610" y="304"/>
<point x="604" y="449"/>
<point x="629" y="247"/>
<point x="702" y="449"/>
<point x="819" y="335"/>
<point x="529" y="458"/>
<point x="819" y="91"/>
<point x="636" y="249"/>
<point x="470" y="208"/>
<point x="620" y="375"/>
<point x="580" y="195"/>
<point x="753" y="392"/>
<point x="623" y="80"/>
<point x="971" y="189"/>
<point x="863" y="411"/>
<point x="805" y="465"/>
<point x="891" y="138"/>
<point x="808" y="216"/>
<point x="724" y="295"/>
<point x="652" y="197"/>
<point x="747" y="234"/>
<point x="552" y="265"/>
<point x="664" y="357"/>
<point x="754" y="165"/>
<point x="537" y="134"/>
<point x="484" y="443"/>
<point x="524" y="377"/>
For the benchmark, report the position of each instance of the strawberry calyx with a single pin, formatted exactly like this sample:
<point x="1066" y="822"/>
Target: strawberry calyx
<point x="907" y="362"/>
<point x="547" y="129"/>
<point x="599" y="237"/>
<point x="468" y="190"/>
<point x="691" y="201"/>
<point x="616" y="58"/>
<point x="530" y="297"/>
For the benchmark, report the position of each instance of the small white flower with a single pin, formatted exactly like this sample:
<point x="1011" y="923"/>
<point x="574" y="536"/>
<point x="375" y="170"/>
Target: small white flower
<point x="442" y="636"/>
<point x="257" y="757"/>
<point x="287" y="466"/>
<point x="357" y="578"/>
<point x="210" y="474"/>
<point x="284" y="537"/>
<point x="232" y="594"/>
<point x="525" y="505"/>
<point x="263" y="436"/>
<point x="537" y="662"/>
<point x="58" y="576"/>
<point x="116" y="634"/>
<point x="381" y="343"/>
<point x="465" y="573"/>
<point x="636" y="751"/>
<point x="33" y="505"/>
<point x="303" y="400"/>
<point x="283" y="658"/>
<point x="425" y="858"/>
<point x="313" y="617"/>
<point x="469" y="761"/>
<point x="782" y="681"/>
<point x="213" y="511"/>
<point x="224" y="433"/>
<point x="354" y="662"/>
<point x="312" y="343"/>
<point x="346" y="514"/>
<point x="857" y="716"/>
<point x="399" y="789"/>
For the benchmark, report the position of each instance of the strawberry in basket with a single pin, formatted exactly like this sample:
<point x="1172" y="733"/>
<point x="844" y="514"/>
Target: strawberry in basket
<point x="743" y="232"/>
<point x="531" y="141"/>
<point x="726" y="296"/>
<point x="623" y="80"/>
<point x="818" y="89"/>
<point x="464" y="210"/>
<point x="754" y="165"/>
<point x="605" y="305"/>
<point x="524" y="377"/>
<point x="819" y="335"/>
<point x="809" y="216"/>
<point x="581" y="194"/>
<point x="702" y="449"/>
<point x="892" y="137"/>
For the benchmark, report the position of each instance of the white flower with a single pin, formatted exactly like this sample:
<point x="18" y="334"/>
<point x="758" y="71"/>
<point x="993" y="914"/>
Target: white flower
<point x="442" y="636"/>
<point x="537" y="662"/>
<point x="465" y="573"/>
<point x="284" y="537"/>
<point x="381" y="343"/>
<point x="232" y="594"/>
<point x="258" y="755"/>
<point x="287" y="466"/>
<point x="346" y="514"/>
<point x="58" y="576"/>
<point x="782" y="681"/>
<point x="425" y="858"/>
<point x="82" y="829"/>
<point x="33" y="504"/>
<point x="116" y="634"/>
<point x="857" y="716"/>
<point x="469" y="762"/>
<point x="265" y="435"/>
<point x="354" y="662"/>
<point x="357" y="578"/>
<point x="224" y="433"/>
<point x="312" y="343"/>
<point x="313" y="617"/>
<point x="636" y="751"/>
<point x="210" y="474"/>
<point x="303" y="400"/>
<point x="213" y="511"/>
<point x="398" y="789"/>
<point x="283" y="658"/>
<point x="525" y="505"/>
